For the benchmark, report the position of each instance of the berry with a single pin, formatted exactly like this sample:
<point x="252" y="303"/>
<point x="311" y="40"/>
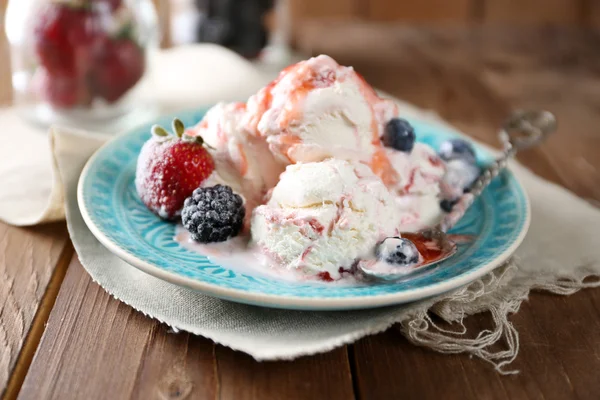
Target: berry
<point x="447" y="205"/>
<point x="71" y="39"/>
<point x="399" y="134"/>
<point x="60" y="90"/>
<point x="460" y="175"/>
<point x="458" y="149"/>
<point x="118" y="68"/>
<point x="170" y="168"/>
<point x="213" y="214"/>
<point x="65" y="38"/>
<point x="397" y="251"/>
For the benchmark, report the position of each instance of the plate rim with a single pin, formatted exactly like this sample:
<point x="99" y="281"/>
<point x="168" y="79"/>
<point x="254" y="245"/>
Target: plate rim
<point x="290" y="301"/>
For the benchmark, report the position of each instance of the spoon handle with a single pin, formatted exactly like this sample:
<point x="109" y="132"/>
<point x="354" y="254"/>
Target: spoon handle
<point x="524" y="129"/>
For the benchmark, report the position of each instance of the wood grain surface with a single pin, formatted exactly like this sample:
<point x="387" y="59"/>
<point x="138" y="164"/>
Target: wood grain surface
<point x="95" y="347"/>
<point x="591" y="13"/>
<point x="5" y="68"/>
<point x="533" y="12"/>
<point x="558" y="358"/>
<point x="28" y="257"/>
<point x="462" y="13"/>
<point x="438" y="11"/>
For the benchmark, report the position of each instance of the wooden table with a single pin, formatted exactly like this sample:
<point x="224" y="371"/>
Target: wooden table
<point x="63" y="337"/>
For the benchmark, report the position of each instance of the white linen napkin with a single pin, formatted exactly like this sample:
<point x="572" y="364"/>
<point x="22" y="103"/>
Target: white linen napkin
<point x="559" y="252"/>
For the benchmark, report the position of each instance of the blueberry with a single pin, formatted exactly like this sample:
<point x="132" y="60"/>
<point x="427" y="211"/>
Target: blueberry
<point x="399" y="134"/>
<point x="460" y="175"/>
<point x="447" y="205"/>
<point x="397" y="251"/>
<point x="458" y="149"/>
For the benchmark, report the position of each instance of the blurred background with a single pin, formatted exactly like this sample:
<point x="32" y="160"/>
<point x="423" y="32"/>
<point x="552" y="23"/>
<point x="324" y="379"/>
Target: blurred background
<point x="247" y="26"/>
<point x="217" y="17"/>
<point x="268" y="29"/>
<point x="355" y="26"/>
<point x="472" y="61"/>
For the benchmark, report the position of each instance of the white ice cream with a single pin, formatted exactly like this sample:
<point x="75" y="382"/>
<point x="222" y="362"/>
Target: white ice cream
<point x="322" y="216"/>
<point x="417" y="189"/>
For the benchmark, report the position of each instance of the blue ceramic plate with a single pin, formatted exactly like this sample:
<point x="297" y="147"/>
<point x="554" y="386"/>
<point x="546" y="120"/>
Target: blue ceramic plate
<point x="112" y="210"/>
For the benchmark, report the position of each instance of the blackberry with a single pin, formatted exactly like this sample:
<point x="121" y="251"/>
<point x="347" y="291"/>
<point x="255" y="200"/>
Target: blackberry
<point x="213" y="214"/>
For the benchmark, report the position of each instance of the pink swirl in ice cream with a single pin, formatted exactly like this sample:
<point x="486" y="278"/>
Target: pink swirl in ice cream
<point x="417" y="189"/>
<point x="242" y="161"/>
<point x="322" y="216"/>
<point x="317" y="109"/>
<point x="222" y="129"/>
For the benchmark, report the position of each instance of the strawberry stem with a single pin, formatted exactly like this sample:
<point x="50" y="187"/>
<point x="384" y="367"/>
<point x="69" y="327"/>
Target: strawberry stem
<point x="196" y="140"/>
<point x="125" y="33"/>
<point x="178" y="127"/>
<point x="159" y="131"/>
<point x="193" y="139"/>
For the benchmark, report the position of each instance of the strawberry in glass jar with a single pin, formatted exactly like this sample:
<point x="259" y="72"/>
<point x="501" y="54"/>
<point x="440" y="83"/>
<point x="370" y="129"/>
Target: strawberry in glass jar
<point x="79" y="61"/>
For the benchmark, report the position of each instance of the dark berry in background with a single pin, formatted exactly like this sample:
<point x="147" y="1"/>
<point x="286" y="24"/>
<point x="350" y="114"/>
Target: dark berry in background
<point x="235" y="24"/>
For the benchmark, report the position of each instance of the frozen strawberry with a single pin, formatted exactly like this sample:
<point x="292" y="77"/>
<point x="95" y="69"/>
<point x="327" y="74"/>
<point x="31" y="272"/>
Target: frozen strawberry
<point x="169" y="169"/>
<point x="118" y="69"/>
<point x="60" y="90"/>
<point x="66" y="36"/>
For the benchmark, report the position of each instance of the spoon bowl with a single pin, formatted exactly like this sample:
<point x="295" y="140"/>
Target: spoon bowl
<point x="432" y="246"/>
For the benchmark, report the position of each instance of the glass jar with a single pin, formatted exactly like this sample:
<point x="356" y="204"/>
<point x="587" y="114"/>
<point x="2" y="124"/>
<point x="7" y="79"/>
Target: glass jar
<point x="79" y="62"/>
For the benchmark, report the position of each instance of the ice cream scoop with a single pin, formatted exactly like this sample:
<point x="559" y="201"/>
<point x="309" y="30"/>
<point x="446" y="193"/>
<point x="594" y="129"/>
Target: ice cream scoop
<point x="322" y="216"/>
<point x="317" y="109"/>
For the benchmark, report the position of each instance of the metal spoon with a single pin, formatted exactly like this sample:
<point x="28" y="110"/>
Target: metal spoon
<point x="524" y="129"/>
